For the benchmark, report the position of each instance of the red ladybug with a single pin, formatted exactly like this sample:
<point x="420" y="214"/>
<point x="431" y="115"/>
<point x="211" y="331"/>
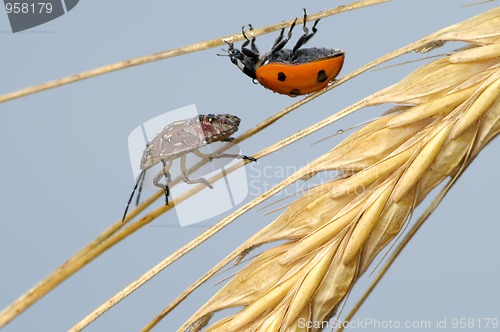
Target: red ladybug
<point x="291" y="72"/>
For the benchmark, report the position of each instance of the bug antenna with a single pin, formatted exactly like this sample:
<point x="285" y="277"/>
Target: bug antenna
<point x="139" y="179"/>
<point x="231" y="47"/>
<point x="223" y="50"/>
<point x="140" y="188"/>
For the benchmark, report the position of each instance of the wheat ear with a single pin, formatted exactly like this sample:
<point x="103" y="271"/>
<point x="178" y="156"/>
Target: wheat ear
<point x="334" y="232"/>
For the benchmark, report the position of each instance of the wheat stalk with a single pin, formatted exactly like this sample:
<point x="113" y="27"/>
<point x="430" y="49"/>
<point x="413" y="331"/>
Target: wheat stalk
<point x="334" y="232"/>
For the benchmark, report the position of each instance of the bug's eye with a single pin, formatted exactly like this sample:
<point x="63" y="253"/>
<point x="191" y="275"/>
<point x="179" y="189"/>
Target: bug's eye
<point x="210" y="118"/>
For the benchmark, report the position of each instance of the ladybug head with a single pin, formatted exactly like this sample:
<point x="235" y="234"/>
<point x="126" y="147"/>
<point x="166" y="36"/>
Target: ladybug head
<point x="218" y="127"/>
<point x="247" y="63"/>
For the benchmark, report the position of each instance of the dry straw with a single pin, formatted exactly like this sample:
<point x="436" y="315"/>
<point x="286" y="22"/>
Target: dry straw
<point x="334" y="232"/>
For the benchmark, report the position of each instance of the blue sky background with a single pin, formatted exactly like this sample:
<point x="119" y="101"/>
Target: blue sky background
<point x="66" y="176"/>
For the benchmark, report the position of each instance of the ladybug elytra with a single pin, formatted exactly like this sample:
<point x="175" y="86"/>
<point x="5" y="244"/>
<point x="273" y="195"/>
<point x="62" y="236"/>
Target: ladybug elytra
<point x="291" y="72"/>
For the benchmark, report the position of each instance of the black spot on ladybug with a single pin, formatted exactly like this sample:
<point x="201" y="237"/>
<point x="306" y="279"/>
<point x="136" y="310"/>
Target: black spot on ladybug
<point x="281" y="76"/>
<point x="321" y="76"/>
<point x="295" y="92"/>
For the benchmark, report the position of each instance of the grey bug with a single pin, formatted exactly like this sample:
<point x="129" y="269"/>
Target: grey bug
<point x="178" y="139"/>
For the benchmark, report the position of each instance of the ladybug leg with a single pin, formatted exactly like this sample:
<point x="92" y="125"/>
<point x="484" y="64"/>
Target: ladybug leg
<point x="306" y="36"/>
<point x="252" y="41"/>
<point x="164" y="172"/>
<point x="280" y="41"/>
<point x="253" y="51"/>
<point x="314" y="30"/>
<point x="185" y="176"/>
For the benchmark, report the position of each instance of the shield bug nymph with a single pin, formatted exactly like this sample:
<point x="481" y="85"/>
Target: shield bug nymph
<point x="178" y="139"/>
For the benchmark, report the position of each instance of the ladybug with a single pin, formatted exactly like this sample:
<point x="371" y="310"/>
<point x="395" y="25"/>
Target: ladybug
<point x="292" y="72"/>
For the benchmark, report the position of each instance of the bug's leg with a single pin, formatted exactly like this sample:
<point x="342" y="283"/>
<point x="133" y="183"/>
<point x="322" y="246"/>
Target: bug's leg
<point x="185" y="176"/>
<point x="314" y="30"/>
<point x="280" y="42"/>
<point x="163" y="173"/>
<point x="247" y="41"/>
<point x="222" y="155"/>
<point x="167" y="179"/>
<point x="252" y="41"/>
<point x="139" y="179"/>
<point x="306" y="36"/>
<point x="167" y="193"/>
<point x="253" y="51"/>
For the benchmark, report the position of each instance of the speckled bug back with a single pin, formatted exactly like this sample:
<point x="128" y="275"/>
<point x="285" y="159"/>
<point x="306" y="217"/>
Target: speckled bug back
<point x="183" y="136"/>
<point x="180" y="138"/>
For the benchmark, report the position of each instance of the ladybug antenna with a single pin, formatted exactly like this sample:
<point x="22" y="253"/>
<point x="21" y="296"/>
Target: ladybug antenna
<point x="223" y="50"/>
<point x="228" y="51"/>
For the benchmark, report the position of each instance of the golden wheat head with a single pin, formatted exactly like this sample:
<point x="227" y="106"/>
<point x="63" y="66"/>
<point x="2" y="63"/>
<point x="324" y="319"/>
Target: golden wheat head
<point x="451" y="110"/>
